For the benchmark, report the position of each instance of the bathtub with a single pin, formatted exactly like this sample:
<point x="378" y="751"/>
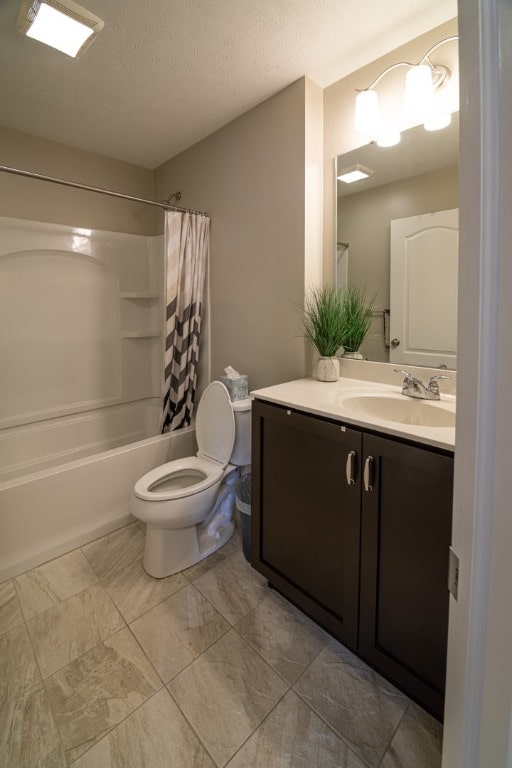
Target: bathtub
<point x="55" y="497"/>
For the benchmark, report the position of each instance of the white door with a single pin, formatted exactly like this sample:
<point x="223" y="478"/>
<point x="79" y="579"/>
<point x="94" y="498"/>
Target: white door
<point x="423" y="289"/>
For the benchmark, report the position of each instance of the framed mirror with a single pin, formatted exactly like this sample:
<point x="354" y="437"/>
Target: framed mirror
<point x="397" y="235"/>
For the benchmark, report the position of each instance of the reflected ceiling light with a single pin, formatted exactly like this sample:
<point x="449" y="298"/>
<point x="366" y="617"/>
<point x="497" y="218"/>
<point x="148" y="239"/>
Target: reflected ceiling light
<point x="422" y="82"/>
<point x="354" y="173"/>
<point x="61" y="24"/>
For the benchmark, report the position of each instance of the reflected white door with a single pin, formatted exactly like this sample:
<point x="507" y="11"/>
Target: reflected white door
<point x="423" y="289"/>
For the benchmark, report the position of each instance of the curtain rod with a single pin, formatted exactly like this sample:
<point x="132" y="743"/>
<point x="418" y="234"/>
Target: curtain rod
<point x="41" y="177"/>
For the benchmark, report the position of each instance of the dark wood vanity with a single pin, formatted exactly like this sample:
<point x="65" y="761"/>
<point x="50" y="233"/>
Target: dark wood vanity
<point x="354" y="527"/>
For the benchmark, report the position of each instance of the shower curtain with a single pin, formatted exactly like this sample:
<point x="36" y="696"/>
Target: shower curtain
<point x="186" y="253"/>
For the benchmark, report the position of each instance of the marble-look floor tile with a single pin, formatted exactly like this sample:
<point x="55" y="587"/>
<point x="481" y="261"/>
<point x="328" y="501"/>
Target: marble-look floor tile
<point x="178" y="630"/>
<point x="225" y="694"/>
<point x="134" y="592"/>
<point x="233" y="587"/>
<point x="28" y="736"/>
<point x="53" y="582"/>
<point x="10" y="609"/>
<point x="94" y="693"/>
<point x="18" y="668"/>
<point x="286" y="638"/>
<point x="69" y="629"/>
<point x="293" y="736"/>
<point x="417" y="741"/>
<point x="116" y="550"/>
<point x="362" y="707"/>
<point x="203" y="566"/>
<point x="155" y="736"/>
<point x="236" y="539"/>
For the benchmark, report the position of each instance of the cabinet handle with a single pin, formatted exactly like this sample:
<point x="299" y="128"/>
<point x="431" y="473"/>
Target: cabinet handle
<point x="349" y="468"/>
<point x="368" y="474"/>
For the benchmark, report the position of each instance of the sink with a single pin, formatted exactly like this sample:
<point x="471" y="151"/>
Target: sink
<point x="421" y="413"/>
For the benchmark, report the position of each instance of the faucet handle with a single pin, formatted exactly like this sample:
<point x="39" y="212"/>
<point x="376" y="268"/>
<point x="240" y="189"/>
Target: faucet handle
<point x="433" y="386"/>
<point x="405" y="373"/>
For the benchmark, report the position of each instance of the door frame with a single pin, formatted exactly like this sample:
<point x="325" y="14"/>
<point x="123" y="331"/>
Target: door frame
<point x="478" y="731"/>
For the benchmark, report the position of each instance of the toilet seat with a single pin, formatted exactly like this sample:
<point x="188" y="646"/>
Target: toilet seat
<point x="209" y="473"/>
<point x="215" y="432"/>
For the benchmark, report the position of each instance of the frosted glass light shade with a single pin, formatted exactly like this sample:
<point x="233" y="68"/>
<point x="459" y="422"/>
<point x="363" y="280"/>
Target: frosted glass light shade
<point x="418" y="90"/>
<point x="436" y="120"/>
<point x="388" y="135"/>
<point x="367" y="112"/>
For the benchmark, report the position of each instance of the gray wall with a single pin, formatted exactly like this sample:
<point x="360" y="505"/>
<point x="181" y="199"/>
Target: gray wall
<point x="24" y="198"/>
<point x="250" y="178"/>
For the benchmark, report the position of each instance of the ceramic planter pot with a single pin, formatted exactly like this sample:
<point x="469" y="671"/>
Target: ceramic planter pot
<point x="328" y="369"/>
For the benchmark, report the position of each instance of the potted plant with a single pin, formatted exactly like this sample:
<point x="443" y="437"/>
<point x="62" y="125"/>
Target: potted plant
<point x="357" y="318"/>
<point x="324" y="327"/>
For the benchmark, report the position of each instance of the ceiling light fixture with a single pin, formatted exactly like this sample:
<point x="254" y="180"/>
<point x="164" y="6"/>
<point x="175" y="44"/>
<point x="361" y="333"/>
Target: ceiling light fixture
<point x="354" y="173"/>
<point x="61" y="24"/>
<point x="422" y="83"/>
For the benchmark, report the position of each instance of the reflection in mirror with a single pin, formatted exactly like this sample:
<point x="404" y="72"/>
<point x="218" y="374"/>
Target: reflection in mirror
<point x="397" y="234"/>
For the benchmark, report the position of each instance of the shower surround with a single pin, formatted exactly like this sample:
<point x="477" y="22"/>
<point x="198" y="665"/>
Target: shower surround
<point x="81" y="319"/>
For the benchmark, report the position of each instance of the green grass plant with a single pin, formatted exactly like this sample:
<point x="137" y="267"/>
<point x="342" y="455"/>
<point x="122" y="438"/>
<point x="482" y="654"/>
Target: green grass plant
<point x="356" y="316"/>
<point x="323" y="319"/>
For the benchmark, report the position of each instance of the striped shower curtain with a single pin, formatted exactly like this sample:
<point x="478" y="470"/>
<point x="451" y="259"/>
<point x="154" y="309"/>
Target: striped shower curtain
<point x="186" y="253"/>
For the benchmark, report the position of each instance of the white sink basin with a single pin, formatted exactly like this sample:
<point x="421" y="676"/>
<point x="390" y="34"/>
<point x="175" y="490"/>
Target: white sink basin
<point x="421" y="413"/>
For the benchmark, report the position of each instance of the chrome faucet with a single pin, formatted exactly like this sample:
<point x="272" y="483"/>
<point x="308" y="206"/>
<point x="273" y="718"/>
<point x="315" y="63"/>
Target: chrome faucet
<point x="413" y="387"/>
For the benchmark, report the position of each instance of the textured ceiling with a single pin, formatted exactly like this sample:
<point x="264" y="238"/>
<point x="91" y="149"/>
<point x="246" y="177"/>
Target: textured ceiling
<point x="164" y="74"/>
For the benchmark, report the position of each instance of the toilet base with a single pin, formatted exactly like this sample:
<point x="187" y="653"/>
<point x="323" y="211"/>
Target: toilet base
<point x="169" y="551"/>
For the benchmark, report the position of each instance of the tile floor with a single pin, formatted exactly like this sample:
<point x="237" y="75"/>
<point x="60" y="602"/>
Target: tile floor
<point x="102" y="666"/>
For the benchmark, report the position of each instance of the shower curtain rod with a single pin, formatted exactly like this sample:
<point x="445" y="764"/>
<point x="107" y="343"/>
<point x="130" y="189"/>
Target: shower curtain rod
<point x="41" y="177"/>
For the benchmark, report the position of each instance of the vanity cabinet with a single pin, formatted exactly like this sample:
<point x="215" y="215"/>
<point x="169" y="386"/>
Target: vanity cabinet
<point x="306" y="517"/>
<point x="355" y="528"/>
<point x="406" y="522"/>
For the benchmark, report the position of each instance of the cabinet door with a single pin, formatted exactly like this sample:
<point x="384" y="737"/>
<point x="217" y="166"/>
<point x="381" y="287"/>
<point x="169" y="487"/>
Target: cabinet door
<point x="306" y="515"/>
<point x="405" y="538"/>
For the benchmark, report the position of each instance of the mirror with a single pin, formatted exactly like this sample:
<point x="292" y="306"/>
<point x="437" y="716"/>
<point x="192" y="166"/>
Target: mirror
<point x="392" y="238"/>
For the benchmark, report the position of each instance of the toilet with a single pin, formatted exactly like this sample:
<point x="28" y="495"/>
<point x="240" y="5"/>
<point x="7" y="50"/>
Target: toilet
<point x="178" y="499"/>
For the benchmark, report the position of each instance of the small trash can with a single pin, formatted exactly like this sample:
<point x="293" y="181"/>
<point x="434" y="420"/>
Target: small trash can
<point x="243" y="504"/>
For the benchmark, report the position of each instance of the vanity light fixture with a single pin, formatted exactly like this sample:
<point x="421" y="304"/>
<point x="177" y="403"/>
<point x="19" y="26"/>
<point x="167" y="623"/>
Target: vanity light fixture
<point x="61" y="24"/>
<point x="354" y="173"/>
<point x="422" y="85"/>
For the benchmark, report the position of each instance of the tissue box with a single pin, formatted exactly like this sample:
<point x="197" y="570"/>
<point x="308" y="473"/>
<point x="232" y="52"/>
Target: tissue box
<point x="237" y="387"/>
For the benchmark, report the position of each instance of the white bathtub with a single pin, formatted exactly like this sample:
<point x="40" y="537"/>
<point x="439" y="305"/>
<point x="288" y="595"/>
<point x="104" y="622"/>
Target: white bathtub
<point x="51" y="511"/>
<point x="44" y="444"/>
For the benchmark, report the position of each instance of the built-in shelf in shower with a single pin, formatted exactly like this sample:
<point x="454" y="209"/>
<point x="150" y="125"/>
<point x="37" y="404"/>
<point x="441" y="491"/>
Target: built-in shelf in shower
<point x="140" y="334"/>
<point x="139" y="295"/>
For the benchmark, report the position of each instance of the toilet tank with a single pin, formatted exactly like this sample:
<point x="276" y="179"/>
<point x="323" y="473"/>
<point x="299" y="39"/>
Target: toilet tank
<point x="241" y="455"/>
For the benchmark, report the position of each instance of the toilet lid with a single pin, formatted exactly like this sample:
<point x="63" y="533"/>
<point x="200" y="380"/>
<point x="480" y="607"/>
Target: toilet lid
<point x="215" y="424"/>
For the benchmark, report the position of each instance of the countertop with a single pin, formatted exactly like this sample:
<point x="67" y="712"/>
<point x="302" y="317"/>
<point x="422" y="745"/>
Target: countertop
<point x="329" y="399"/>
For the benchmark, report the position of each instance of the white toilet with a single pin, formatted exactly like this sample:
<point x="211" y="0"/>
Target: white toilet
<point x="177" y="498"/>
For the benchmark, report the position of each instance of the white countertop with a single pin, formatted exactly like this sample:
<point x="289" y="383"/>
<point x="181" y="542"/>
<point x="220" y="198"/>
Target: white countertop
<point x="329" y="399"/>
